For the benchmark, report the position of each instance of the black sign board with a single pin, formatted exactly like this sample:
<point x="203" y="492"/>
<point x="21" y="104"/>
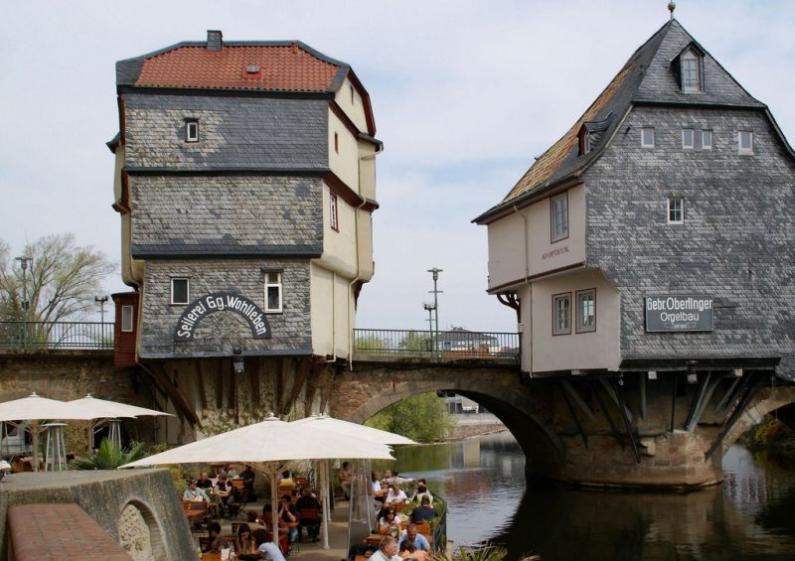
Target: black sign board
<point x="222" y="302"/>
<point x="670" y="313"/>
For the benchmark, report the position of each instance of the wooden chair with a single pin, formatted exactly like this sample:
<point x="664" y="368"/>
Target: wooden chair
<point x="195" y="511"/>
<point x="308" y="518"/>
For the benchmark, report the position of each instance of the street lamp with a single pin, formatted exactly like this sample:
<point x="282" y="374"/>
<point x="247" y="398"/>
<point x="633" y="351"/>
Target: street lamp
<point x="430" y="309"/>
<point x="101" y="301"/>
<point x="435" y="274"/>
<point x="23" y="263"/>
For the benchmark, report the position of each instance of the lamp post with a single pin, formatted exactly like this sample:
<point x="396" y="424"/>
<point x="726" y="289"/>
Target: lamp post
<point x="435" y="274"/>
<point x="430" y="309"/>
<point x="101" y="301"/>
<point x="24" y="262"/>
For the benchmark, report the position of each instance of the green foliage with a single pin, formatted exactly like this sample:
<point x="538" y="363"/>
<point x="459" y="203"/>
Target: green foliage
<point x="417" y="341"/>
<point x="769" y="434"/>
<point x="421" y="417"/>
<point x="371" y="343"/>
<point x="110" y="457"/>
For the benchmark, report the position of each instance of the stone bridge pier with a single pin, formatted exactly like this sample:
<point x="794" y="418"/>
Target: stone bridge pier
<point x="606" y="431"/>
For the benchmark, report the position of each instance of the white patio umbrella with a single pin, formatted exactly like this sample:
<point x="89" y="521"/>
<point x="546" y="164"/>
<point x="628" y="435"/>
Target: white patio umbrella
<point x="270" y="443"/>
<point x="112" y="411"/>
<point x="35" y="408"/>
<point x="330" y="425"/>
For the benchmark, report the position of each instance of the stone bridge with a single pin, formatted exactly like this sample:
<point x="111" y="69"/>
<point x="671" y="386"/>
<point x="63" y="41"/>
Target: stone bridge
<point x="601" y="430"/>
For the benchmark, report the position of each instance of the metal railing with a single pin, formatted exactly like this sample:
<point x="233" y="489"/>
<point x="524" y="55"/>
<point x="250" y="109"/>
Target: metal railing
<point x="28" y="335"/>
<point x="444" y="346"/>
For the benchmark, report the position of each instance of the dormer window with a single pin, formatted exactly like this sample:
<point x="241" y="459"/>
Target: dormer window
<point x="585" y="142"/>
<point x="191" y="130"/>
<point x="690" y="66"/>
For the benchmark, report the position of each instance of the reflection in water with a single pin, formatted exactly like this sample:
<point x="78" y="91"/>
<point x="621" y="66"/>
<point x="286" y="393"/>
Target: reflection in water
<point x="750" y="517"/>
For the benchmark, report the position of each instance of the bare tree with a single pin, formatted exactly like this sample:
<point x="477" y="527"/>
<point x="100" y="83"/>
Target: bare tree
<point x="61" y="279"/>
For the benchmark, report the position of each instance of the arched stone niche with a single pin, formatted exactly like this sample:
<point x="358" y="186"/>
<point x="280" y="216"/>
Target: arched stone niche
<point x="139" y="533"/>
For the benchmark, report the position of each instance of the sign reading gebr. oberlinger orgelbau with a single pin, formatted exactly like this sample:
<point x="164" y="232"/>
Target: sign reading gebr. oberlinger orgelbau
<point x="678" y="312"/>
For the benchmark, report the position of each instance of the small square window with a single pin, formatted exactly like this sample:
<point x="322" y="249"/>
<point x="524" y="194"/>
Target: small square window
<point x="353" y="96"/>
<point x="745" y="142"/>
<point x="180" y="291"/>
<point x="273" y="292"/>
<point x="676" y="210"/>
<point x="561" y="314"/>
<point x="688" y="138"/>
<point x="647" y="137"/>
<point x="559" y="217"/>
<point x="586" y="311"/>
<point x="332" y="210"/>
<point x="706" y="140"/>
<point x="191" y="130"/>
<point x="127" y="319"/>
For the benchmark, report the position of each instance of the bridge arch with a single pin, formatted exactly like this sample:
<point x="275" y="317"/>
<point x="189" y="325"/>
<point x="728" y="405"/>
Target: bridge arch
<point x="360" y="394"/>
<point x="780" y="399"/>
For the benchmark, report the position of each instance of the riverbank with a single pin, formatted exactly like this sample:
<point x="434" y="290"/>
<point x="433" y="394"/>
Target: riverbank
<point x="472" y="425"/>
<point x="770" y="435"/>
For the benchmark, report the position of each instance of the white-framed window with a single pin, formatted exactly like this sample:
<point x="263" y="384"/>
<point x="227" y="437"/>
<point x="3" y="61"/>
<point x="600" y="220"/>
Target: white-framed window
<point x="561" y="314"/>
<point x="273" y="292"/>
<point x="333" y="212"/>
<point x="676" y="210"/>
<point x="559" y="217"/>
<point x="745" y="142"/>
<point x="688" y="138"/>
<point x="191" y="130"/>
<point x="127" y="319"/>
<point x="180" y="290"/>
<point x="585" y="320"/>
<point x="706" y="140"/>
<point x="647" y="137"/>
<point x="690" y="68"/>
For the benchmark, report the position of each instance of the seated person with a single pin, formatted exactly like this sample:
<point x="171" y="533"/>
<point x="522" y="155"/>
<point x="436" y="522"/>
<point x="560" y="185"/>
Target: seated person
<point x="222" y="489"/>
<point x="389" y="523"/>
<point x="217" y="542"/>
<point x="414" y="538"/>
<point x="194" y="494"/>
<point x="289" y="514"/>
<point x="271" y="551"/>
<point x="425" y="512"/>
<point x="376" y="486"/>
<point x="245" y="547"/>
<point x="308" y="502"/>
<point x="228" y="471"/>
<point x="421" y="491"/>
<point x="344" y="477"/>
<point x="387" y="550"/>
<point x="248" y="475"/>
<point x="395" y="495"/>
<point x="391" y="477"/>
<point x="204" y="481"/>
<point x="408" y="551"/>
<point x="266" y="519"/>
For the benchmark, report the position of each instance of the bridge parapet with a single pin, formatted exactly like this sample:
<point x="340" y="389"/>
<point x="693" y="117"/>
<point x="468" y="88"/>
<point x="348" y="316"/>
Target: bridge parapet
<point x="456" y="345"/>
<point x="51" y="335"/>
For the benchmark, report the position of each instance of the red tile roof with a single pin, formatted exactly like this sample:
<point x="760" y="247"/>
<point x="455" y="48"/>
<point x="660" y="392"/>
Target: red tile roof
<point x="284" y="67"/>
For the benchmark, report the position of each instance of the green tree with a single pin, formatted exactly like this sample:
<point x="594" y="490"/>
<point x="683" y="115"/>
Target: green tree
<point x="370" y="344"/>
<point x="417" y="341"/>
<point x="61" y="280"/>
<point x="422" y="417"/>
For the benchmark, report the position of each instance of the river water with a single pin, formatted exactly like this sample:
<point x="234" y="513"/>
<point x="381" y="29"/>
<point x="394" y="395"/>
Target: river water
<point x="750" y="517"/>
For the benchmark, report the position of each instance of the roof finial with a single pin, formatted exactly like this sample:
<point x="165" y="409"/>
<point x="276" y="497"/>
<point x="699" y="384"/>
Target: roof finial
<point x="671" y="8"/>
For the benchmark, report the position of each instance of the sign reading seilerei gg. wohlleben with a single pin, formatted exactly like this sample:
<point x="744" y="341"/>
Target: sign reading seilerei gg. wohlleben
<point x="667" y="313"/>
<point x="222" y="302"/>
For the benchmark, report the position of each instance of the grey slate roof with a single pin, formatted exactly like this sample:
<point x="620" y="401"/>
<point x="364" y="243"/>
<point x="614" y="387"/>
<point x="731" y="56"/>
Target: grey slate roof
<point x="646" y="78"/>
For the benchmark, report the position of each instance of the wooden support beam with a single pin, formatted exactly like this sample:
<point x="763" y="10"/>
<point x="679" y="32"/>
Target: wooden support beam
<point x="583" y="436"/>
<point x="729" y="396"/>
<point x="219" y="385"/>
<point x="304" y="367"/>
<point x="235" y="404"/>
<point x="674" y="389"/>
<point x="253" y="379"/>
<point x="229" y="374"/>
<point x="612" y="393"/>
<point x="568" y="388"/>
<point x="312" y="384"/>
<point x="695" y="403"/>
<point x="755" y="384"/>
<point x="703" y="405"/>
<point x="200" y="383"/>
<point x="278" y="390"/>
<point x="613" y="427"/>
<point x="181" y="403"/>
<point x="642" y="411"/>
<point x="627" y="423"/>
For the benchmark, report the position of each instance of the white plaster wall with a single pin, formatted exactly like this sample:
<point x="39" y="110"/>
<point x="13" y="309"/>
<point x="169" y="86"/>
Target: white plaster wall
<point x="332" y="306"/>
<point x="598" y="349"/>
<point x="352" y="106"/>
<point x="345" y="162"/>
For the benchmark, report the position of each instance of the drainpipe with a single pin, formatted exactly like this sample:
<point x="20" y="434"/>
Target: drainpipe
<point x="354" y="281"/>
<point x="333" y="318"/>
<point x="529" y="320"/>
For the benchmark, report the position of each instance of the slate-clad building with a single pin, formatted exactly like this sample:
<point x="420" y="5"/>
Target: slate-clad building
<point x="245" y="181"/>
<point x="658" y="233"/>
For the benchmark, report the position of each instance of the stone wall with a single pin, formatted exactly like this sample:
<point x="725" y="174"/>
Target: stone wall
<point x="736" y="243"/>
<point x="140" y="509"/>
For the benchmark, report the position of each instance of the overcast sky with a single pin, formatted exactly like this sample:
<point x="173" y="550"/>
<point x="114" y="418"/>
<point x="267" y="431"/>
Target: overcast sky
<point x="465" y="95"/>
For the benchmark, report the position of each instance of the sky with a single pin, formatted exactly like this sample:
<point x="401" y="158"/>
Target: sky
<point x="465" y="94"/>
